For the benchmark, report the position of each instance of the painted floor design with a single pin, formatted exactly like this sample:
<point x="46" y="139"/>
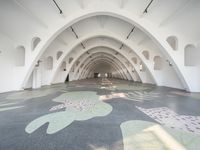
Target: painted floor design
<point x="100" y="114"/>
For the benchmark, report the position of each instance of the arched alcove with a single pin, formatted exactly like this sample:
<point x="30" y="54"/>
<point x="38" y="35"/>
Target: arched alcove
<point x="146" y="54"/>
<point x="59" y="53"/>
<point x="134" y="59"/>
<point x="70" y="59"/>
<point x="20" y="56"/>
<point x="191" y="55"/>
<point x="77" y="63"/>
<point x="35" y="42"/>
<point x="173" y="42"/>
<point x="63" y="66"/>
<point x="49" y="63"/>
<point x="157" y="63"/>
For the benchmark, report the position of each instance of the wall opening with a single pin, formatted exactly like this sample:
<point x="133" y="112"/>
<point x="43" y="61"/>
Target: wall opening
<point x="146" y="54"/>
<point x="134" y="59"/>
<point x="35" y="42"/>
<point x="157" y="63"/>
<point x="191" y="55"/>
<point x="70" y="60"/>
<point x="49" y="63"/>
<point x="59" y="53"/>
<point x="20" y="56"/>
<point x="173" y="42"/>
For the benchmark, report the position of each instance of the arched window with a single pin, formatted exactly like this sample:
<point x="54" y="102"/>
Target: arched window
<point x="134" y="59"/>
<point x="59" y="53"/>
<point x="173" y="42"/>
<point x="146" y="54"/>
<point x="20" y="56"/>
<point x="157" y="63"/>
<point x="35" y="42"/>
<point x="49" y="63"/>
<point x="77" y="63"/>
<point x="70" y="60"/>
<point x="63" y="66"/>
<point x="191" y="55"/>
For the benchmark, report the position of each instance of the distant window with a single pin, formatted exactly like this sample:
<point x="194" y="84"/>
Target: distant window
<point x="63" y="66"/>
<point x="59" y="53"/>
<point x="146" y="54"/>
<point x="35" y="42"/>
<point x="70" y="60"/>
<point x="157" y="63"/>
<point x="173" y="42"/>
<point x="134" y="59"/>
<point x="191" y="55"/>
<point x="49" y="63"/>
<point x="20" y="56"/>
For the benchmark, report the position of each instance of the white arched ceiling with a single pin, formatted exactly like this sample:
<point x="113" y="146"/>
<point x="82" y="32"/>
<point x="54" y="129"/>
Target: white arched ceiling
<point x="115" y="60"/>
<point x="163" y="19"/>
<point x="97" y="51"/>
<point x="105" y="44"/>
<point x="85" y="59"/>
<point x="149" y="34"/>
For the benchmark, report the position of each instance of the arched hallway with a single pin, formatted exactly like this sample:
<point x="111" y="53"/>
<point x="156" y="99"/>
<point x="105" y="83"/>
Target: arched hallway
<point x="99" y="74"/>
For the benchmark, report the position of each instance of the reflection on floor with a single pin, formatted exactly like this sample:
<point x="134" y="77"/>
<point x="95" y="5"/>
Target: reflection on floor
<point x="100" y="114"/>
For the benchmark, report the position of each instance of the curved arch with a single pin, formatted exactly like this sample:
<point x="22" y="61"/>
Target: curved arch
<point x="110" y="56"/>
<point x="110" y="53"/>
<point x="121" y="74"/>
<point x="145" y="26"/>
<point x="137" y="69"/>
<point x="119" y="69"/>
<point x="92" y="66"/>
<point x="112" y="36"/>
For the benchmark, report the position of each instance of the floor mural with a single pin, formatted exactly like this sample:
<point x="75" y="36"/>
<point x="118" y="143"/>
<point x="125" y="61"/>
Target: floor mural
<point x="100" y="114"/>
<point x="82" y="106"/>
<point x="169" y="118"/>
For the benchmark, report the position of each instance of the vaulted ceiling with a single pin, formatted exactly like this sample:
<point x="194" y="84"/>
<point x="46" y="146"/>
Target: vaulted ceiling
<point x="149" y="41"/>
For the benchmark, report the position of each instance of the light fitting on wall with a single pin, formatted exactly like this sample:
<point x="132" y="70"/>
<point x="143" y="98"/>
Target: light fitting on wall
<point x="170" y="64"/>
<point x="38" y="63"/>
<point x="146" y="9"/>
<point x="61" y="12"/>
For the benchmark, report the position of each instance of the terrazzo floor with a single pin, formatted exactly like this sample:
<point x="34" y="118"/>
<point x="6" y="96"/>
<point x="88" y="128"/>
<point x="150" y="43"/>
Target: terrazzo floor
<point x="100" y="114"/>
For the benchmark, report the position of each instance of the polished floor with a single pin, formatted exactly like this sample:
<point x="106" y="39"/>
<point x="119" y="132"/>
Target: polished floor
<point x="100" y="114"/>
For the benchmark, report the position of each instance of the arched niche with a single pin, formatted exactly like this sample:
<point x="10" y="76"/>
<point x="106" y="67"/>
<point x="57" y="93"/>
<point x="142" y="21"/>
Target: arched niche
<point x="20" y="56"/>
<point x="49" y="63"/>
<point x="70" y="59"/>
<point x="146" y="54"/>
<point x="59" y="53"/>
<point x="134" y="59"/>
<point x="157" y="63"/>
<point x="173" y="42"/>
<point x="77" y="63"/>
<point x="63" y="66"/>
<point x="35" y="42"/>
<point x="191" y="55"/>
